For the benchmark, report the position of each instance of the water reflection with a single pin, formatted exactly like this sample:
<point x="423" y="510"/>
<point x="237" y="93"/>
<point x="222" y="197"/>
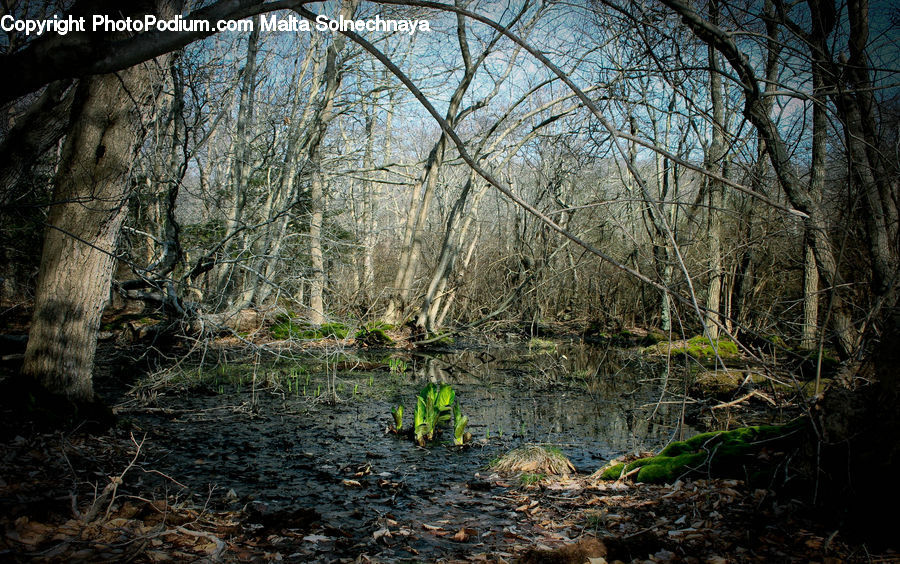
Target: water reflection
<point x="592" y="398"/>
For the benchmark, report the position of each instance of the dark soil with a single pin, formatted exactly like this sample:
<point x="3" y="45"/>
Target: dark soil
<point x="261" y="473"/>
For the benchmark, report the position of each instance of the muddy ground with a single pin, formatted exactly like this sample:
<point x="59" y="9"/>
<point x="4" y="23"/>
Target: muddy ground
<point x="257" y="470"/>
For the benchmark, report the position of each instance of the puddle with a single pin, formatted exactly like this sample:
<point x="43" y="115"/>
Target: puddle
<point x="288" y="451"/>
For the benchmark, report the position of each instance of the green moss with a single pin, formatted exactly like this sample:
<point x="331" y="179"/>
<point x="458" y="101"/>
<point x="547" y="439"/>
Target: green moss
<point x="700" y="347"/>
<point x="670" y="468"/>
<point x="697" y="347"/>
<point x="374" y="334"/>
<point x="718" y="453"/>
<point x="653" y="337"/>
<point x="612" y="472"/>
<point x="282" y="330"/>
<point x="776" y="340"/>
<point x="336" y="330"/>
<point x="298" y="330"/>
<point x="440" y="338"/>
<point x="541" y="344"/>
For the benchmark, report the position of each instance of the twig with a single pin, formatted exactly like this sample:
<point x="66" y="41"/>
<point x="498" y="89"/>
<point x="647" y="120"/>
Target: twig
<point x="744" y="398"/>
<point x="109" y="492"/>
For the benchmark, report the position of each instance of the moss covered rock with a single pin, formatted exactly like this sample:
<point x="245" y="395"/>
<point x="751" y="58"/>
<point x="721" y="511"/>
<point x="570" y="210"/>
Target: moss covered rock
<point x="721" y="383"/>
<point x="543" y="345"/>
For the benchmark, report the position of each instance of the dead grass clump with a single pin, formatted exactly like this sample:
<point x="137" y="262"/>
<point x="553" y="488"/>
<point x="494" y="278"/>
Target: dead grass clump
<point x="534" y="460"/>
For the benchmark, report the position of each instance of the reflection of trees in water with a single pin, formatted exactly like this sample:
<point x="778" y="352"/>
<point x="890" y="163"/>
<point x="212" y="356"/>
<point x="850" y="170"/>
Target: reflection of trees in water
<point x="578" y="392"/>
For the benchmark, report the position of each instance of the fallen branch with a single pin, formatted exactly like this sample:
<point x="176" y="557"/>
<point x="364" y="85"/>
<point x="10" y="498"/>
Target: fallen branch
<point x="743" y="399"/>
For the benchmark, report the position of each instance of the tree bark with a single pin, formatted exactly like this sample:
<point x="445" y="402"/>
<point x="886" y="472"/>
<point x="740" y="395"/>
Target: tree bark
<point x="808" y="339"/>
<point x="38" y="129"/>
<point x="92" y="187"/>
<point x="714" y="164"/>
<point x="333" y="66"/>
<point x="316" y="259"/>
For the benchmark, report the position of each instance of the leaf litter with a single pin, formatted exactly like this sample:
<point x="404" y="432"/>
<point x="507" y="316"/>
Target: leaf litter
<point x="53" y="512"/>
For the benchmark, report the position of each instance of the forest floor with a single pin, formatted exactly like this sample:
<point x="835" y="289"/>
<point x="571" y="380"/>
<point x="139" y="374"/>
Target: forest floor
<point x="76" y="496"/>
<point x="51" y="512"/>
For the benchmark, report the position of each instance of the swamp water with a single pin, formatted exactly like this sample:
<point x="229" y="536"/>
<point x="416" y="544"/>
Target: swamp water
<point x="289" y="453"/>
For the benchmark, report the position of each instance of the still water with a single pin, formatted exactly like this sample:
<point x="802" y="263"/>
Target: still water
<point x="285" y="449"/>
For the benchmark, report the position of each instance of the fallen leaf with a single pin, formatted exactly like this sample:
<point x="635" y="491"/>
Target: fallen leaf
<point x="351" y="483"/>
<point x="428" y="527"/>
<point x="157" y="556"/>
<point x="461" y="536"/>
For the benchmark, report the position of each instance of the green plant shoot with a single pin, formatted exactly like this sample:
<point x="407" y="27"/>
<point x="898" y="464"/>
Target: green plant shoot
<point x="397" y="412"/>
<point x="459" y="425"/>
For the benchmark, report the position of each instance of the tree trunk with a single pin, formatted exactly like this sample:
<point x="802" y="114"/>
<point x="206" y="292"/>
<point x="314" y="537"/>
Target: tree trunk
<point x="317" y="263"/>
<point x="317" y="195"/>
<point x="714" y="164"/>
<point x="92" y="188"/>
<point x="808" y="339"/>
<point x="241" y="168"/>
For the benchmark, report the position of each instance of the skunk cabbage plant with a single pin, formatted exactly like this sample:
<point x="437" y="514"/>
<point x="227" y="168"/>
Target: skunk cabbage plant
<point x="397" y="412"/>
<point x="459" y="426"/>
<point x="435" y="406"/>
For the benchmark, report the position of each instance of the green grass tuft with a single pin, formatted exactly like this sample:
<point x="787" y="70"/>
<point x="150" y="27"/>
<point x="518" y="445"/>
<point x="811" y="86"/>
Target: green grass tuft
<point x="528" y="479"/>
